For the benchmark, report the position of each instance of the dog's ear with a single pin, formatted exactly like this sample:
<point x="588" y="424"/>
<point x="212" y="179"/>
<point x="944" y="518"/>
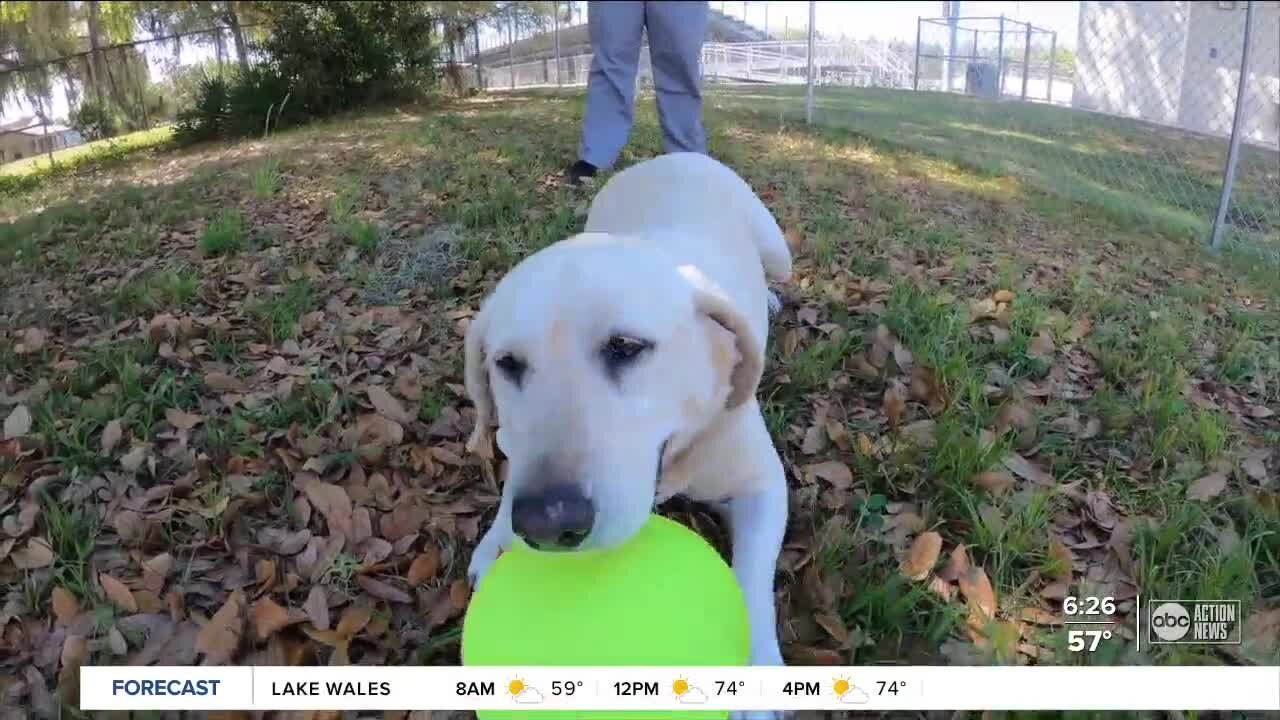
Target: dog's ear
<point x="745" y="364"/>
<point x="476" y="377"/>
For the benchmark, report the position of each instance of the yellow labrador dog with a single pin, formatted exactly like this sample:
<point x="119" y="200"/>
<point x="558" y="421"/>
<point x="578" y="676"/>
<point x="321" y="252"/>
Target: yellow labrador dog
<point x="620" y="368"/>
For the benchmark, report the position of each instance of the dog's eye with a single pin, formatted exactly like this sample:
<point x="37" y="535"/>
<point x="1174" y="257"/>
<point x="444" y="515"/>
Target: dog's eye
<point x="511" y="366"/>
<point x="620" y="350"/>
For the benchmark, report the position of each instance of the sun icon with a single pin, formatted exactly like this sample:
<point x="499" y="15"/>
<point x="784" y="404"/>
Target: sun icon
<point x="680" y="686"/>
<point x="841" y="685"/>
<point x="515" y="687"/>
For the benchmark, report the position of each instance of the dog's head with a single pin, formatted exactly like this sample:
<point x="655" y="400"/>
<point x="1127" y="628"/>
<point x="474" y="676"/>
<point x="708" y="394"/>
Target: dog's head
<point x="590" y="357"/>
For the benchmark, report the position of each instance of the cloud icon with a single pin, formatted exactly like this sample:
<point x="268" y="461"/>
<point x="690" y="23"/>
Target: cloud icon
<point x="854" y="696"/>
<point x="529" y="696"/>
<point x="693" y="695"/>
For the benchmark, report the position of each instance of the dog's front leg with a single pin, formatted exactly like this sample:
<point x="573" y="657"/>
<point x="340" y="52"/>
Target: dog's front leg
<point x="758" y="522"/>
<point x="498" y="538"/>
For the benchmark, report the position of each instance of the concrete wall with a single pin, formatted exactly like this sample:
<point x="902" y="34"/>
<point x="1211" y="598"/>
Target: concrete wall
<point x="1178" y="63"/>
<point x="1215" y="41"/>
<point x="1129" y="58"/>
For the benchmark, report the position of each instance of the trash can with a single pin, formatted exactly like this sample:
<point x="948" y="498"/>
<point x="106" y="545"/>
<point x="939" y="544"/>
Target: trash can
<point x="982" y="79"/>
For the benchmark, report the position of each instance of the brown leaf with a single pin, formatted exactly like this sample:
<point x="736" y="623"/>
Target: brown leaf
<point x="1207" y="487"/>
<point x="1003" y="296"/>
<point x="181" y="419"/>
<point x="1062" y="560"/>
<point x="834" y="626"/>
<point x="155" y="571"/>
<point x="34" y="555"/>
<point x="1041" y="347"/>
<point x="333" y="503"/>
<point x="459" y="594"/>
<point x="1024" y="469"/>
<point x="118" y="593"/>
<point x="375" y="429"/>
<point x="957" y="564"/>
<point x="223" y="383"/>
<point x="220" y="637"/>
<point x="33" y="340"/>
<point x="832" y="471"/>
<point x="317" y="608"/>
<point x="893" y="403"/>
<point x="1079" y="330"/>
<point x="1254" y="464"/>
<point x="65" y="605"/>
<point x="1038" y="616"/>
<point x="1014" y="415"/>
<point x="941" y="588"/>
<point x="865" y="447"/>
<point x="383" y="591"/>
<point x="1262" y="634"/>
<point x="135" y="458"/>
<point x="353" y="620"/>
<point x="977" y="590"/>
<point x="1261" y="412"/>
<point x="815" y="440"/>
<point x="268" y="618"/>
<point x="111" y="435"/>
<point x="387" y="405"/>
<point x="18" y="423"/>
<point x="995" y="482"/>
<point x="922" y="556"/>
<point x="425" y="566"/>
<point x="1055" y="590"/>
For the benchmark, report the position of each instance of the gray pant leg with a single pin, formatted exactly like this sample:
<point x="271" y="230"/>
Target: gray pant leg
<point x="615" y="29"/>
<point x="676" y="32"/>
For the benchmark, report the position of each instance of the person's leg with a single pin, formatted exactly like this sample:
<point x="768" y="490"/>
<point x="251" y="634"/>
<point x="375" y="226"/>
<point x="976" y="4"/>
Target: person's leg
<point x="615" y="29"/>
<point x="676" y="32"/>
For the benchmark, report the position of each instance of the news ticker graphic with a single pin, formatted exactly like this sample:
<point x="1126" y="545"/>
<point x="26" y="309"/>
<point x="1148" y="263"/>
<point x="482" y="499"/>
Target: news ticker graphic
<point x="680" y="688"/>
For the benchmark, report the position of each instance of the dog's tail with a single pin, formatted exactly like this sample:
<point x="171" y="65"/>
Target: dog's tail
<point x="775" y="254"/>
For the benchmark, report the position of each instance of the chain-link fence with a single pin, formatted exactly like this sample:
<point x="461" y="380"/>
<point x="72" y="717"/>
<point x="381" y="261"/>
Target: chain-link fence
<point x="1131" y="108"/>
<point x="59" y="103"/>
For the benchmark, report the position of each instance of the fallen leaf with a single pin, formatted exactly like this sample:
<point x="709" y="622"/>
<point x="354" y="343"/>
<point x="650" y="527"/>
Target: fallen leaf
<point x="353" y="620"/>
<point x="223" y="383"/>
<point x="815" y="440"/>
<point x="1207" y="487"/>
<point x="135" y="458"/>
<point x="834" y="472"/>
<point x="118" y="593"/>
<point x="1024" y="469"/>
<point x="181" y="419"/>
<point x="317" y="608"/>
<point x="333" y="503"/>
<point x="892" y="404"/>
<point x="387" y="405"/>
<point x="1063" y="562"/>
<point x="424" y="567"/>
<point x="1262" y="635"/>
<point x="995" y="482"/>
<point x="268" y="617"/>
<point x="1254" y="465"/>
<point x="65" y="606"/>
<point x="459" y="594"/>
<point x="1038" y="616"/>
<point x="1079" y="330"/>
<point x="1261" y="412"/>
<point x="18" y="424"/>
<point x="33" y="340"/>
<point x="155" y="571"/>
<point x="957" y="564"/>
<point x="941" y="588"/>
<point x="111" y="435"/>
<point x="922" y="556"/>
<point x="382" y="590"/>
<point x="1041" y="347"/>
<point x="977" y="590"/>
<point x="1003" y="296"/>
<point x="865" y="447"/>
<point x="220" y="637"/>
<point x="34" y="555"/>
<point x="834" y="626"/>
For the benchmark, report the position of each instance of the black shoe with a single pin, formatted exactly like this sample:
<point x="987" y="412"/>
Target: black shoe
<point x="578" y="171"/>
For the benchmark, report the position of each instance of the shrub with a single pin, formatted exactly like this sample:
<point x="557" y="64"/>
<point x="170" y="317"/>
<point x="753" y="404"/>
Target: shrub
<point x="95" y="121"/>
<point x="207" y="118"/>
<point x="224" y="235"/>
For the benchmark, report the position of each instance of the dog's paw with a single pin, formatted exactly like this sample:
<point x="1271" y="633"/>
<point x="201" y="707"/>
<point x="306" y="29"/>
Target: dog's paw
<point x="481" y="560"/>
<point x="775" y="303"/>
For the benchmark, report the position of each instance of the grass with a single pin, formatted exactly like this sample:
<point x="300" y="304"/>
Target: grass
<point x="1163" y="363"/>
<point x="29" y="173"/>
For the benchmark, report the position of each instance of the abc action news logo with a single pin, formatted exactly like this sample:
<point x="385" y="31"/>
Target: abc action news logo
<point x="1194" y="622"/>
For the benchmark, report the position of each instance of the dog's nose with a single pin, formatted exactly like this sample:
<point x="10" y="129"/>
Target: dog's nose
<point x="557" y="518"/>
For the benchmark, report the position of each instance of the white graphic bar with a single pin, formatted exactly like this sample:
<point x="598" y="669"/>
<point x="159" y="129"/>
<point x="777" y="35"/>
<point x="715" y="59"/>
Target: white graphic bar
<point x="680" y="688"/>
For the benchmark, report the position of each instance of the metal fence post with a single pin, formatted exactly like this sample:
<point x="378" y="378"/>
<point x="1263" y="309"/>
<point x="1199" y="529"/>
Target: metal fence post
<point x="915" y="77"/>
<point x="511" y="52"/>
<point x="1026" y="61"/>
<point x="1233" y="148"/>
<point x="555" y="18"/>
<point x="808" y="92"/>
<point x="1000" y="61"/>
<point x="1053" y="59"/>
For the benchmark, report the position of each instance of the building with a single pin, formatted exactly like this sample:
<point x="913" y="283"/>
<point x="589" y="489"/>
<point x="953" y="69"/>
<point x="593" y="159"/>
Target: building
<point x="26" y="137"/>
<point x="1178" y="63"/>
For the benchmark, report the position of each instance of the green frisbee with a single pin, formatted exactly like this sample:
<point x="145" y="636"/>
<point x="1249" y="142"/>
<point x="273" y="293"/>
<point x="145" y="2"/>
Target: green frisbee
<point x="665" y="597"/>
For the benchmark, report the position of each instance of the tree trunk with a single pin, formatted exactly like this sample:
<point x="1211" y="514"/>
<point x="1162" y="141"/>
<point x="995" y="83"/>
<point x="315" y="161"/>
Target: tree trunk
<point x="95" y="42"/>
<point x="237" y="36"/>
